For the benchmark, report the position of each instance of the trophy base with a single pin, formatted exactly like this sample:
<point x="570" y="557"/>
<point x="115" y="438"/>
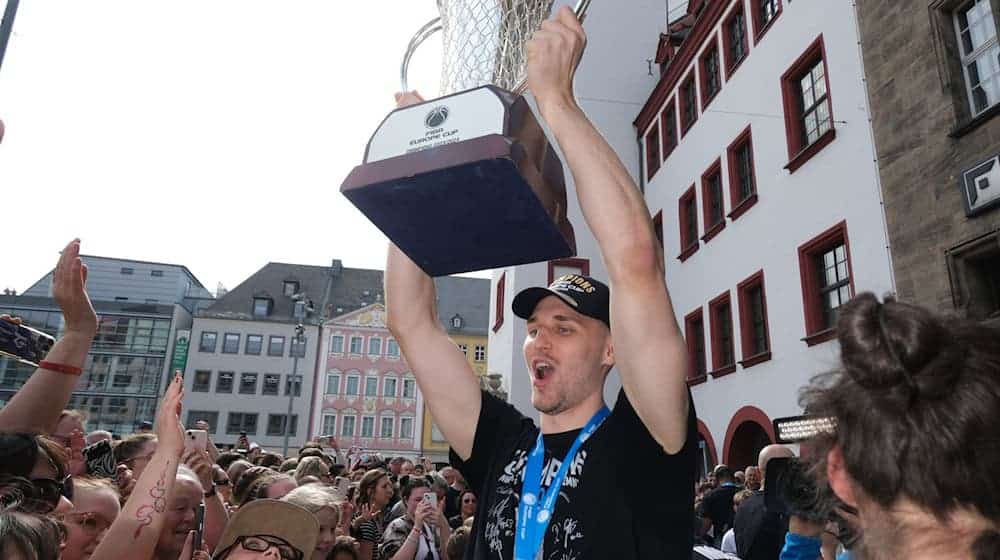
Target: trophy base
<point x="460" y="208"/>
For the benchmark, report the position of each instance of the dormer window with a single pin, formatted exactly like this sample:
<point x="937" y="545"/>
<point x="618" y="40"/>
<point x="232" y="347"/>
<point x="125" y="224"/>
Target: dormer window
<point x="456" y="322"/>
<point x="291" y="288"/>
<point x="261" y="306"/>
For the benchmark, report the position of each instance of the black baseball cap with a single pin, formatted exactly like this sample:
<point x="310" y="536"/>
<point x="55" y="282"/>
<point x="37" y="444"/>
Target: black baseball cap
<point x="584" y="294"/>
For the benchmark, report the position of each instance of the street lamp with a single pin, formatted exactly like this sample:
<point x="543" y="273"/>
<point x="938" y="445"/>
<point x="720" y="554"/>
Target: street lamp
<point x="296" y="342"/>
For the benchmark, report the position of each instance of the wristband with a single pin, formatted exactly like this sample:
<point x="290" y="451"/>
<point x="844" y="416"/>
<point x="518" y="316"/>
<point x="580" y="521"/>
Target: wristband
<point x="61" y="368"/>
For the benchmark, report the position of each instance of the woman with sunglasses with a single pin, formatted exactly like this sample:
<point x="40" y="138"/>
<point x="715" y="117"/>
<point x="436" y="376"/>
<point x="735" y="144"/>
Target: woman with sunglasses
<point x="43" y="462"/>
<point x="95" y="508"/>
<point x="466" y="509"/>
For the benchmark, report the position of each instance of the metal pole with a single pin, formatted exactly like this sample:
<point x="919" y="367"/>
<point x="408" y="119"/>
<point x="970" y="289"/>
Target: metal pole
<point x="6" y="25"/>
<point x="291" y="390"/>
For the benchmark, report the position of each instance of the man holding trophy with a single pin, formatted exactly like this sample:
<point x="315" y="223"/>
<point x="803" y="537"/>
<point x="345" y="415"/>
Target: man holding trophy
<point x="589" y="482"/>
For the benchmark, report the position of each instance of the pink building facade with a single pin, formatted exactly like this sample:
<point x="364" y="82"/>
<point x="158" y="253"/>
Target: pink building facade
<point x="366" y="394"/>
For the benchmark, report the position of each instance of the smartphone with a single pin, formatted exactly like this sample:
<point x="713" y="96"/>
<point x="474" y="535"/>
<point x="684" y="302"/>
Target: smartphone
<point x="432" y="499"/>
<point x="24" y="344"/>
<point x="199" y="530"/>
<point x="195" y="440"/>
<point x="100" y="459"/>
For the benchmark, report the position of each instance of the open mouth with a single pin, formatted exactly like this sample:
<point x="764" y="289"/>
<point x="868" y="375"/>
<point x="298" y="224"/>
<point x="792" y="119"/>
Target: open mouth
<point x="541" y="369"/>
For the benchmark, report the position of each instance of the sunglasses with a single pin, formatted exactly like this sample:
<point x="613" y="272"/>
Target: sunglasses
<point x="263" y="543"/>
<point x="89" y="521"/>
<point x="50" y="490"/>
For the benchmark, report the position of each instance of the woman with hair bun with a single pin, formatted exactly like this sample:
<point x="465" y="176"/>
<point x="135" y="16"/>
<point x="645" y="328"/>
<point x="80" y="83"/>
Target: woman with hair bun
<point x="915" y="449"/>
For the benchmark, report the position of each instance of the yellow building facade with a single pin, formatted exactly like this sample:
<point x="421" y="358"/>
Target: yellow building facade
<point x="476" y="351"/>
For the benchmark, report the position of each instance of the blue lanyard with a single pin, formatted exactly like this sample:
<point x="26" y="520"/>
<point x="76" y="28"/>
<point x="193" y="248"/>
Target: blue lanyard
<point x="535" y="510"/>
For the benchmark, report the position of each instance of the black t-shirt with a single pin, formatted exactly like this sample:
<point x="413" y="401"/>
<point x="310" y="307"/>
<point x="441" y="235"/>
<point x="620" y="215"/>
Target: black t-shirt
<point x="760" y="534"/>
<point x="624" y="497"/>
<point x="718" y="506"/>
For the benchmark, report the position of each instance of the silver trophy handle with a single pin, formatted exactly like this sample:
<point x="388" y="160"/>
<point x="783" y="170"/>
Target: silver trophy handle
<point x="434" y="25"/>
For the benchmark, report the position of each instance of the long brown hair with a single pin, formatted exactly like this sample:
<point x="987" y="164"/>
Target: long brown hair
<point x="366" y="488"/>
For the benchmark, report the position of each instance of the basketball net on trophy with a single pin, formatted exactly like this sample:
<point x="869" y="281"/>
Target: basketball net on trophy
<point x="469" y="181"/>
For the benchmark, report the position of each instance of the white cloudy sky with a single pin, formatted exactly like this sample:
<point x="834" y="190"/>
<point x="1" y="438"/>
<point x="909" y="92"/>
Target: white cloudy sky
<point x="210" y="134"/>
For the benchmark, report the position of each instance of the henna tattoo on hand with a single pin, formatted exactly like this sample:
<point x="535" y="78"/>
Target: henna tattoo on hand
<point x="159" y="504"/>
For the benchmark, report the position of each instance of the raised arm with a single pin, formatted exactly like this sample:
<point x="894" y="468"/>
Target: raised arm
<point x="36" y="407"/>
<point x="650" y="352"/>
<point x="445" y="377"/>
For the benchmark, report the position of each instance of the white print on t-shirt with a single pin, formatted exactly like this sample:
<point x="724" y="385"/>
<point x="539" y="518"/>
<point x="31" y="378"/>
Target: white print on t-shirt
<point x="501" y="521"/>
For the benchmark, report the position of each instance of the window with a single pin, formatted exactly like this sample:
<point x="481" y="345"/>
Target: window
<point x="356" y="345"/>
<point x="668" y="128"/>
<point x="276" y="424"/>
<point x="127" y="270"/>
<point x="658" y="227"/>
<point x="405" y="428"/>
<point x="694" y="335"/>
<point x="754" y="337"/>
<point x="212" y="417"/>
<point x="711" y="77"/>
<point x="329" y="425"/>
<point x="242" y="422"/>
<point x="367" y="426"/>
<point x="332" y="384"/>
<point x="290" y="288"/>
<point x="208" y="340"/>
<point x="248" y="384"/>
<point x="409" y="388"/>
<point x="388" y="427"/>
<point x="498" y="302"/>
<point x="276" y="345"/>
<point x="734" y="39"/>
<point x="456" y="322"/>
<point x="337" y="344"/>
<point x="347" y="426"/>
<point x="764" y="12"/>
<point x="561" y="267"/>
<point x="688" y="220"/>
<point x="713" y="205"/>
<point x="371" y="386"/>
<point x="688" y="103"/>
<point x="156" y="274"/>
<point x="464" y="349"/>
<point x="374" y="346"/>
<point x="974" y="275"/>
<point x="230" y="343"/>
<point x="353" y="385"/>
<point x="392" y="348"/>
<point x="271" y="383"/>
<point x="202" y="381"/>
<point x="255" y="343"/>
<point x="224" y="383"/>
<point x="977" y="39"/>
<point x="742" y="179"/>
<point x="653" y="156"/>
<point x="480" y="353"/>
<point x="389" y="387"/>
<point x="293" y="383"/>
<point x="261" y="307"/>
<point x="720" y="312"/>
<point x="121" y="298"/>
<point x="805" y="90"/>
<point x="825" y="267"/>
<point x="298" y="347"/>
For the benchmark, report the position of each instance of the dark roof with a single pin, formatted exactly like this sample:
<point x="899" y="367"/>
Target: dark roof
<point x="466" y="297"/>
<point x="334" y="287"/>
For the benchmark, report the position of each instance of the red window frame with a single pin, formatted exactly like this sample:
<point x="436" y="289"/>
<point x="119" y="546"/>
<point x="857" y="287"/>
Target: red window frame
<point x="816" y="332"/>
<point x="743" y="289"/>
<point x="582" y="264"/>
<point x="711" y="230"/>
<point x="667" y="147"/>
<point x="720" y="369"/>
<point x="758" y="30"/>
<point x="690" y="320"/>
<point x="658" y="227"/>
<point x="740" y="206"/>
<point x="499" y="302"/>
<point x="798" y="151"/>
<point x="652" y="148"/>
<point x="713" y="46"/>
<point x="727" y="40"/>
<point x="682" y="102"/>
<point x="688" y="246"/>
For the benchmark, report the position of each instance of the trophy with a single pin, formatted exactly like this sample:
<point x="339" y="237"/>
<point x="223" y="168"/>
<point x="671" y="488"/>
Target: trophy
<point x="469" y="181"/>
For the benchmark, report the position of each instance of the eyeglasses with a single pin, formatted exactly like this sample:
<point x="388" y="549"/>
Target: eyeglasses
<point x="50" y="490"/>
<point x="223" y="482"/>
<point x="263" y="543"/>
<point x="89" y="521"/>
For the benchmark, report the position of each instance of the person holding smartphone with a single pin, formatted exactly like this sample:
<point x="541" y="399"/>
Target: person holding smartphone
<point x="423" y="532"/>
